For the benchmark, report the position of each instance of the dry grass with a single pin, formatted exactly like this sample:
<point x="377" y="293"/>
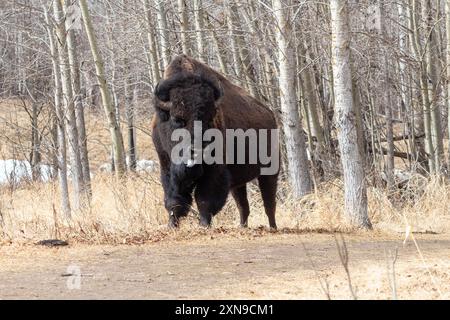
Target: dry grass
<point x="132" y="211"/>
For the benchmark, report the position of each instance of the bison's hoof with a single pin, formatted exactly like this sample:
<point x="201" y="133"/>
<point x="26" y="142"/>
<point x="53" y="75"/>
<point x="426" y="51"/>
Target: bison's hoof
<point x="205" y="222"/>
<point x="173" y="223"/>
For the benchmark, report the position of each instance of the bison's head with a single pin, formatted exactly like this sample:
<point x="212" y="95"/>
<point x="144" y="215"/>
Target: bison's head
<point x="188" y="98"/>
<point x="184" y="99"/>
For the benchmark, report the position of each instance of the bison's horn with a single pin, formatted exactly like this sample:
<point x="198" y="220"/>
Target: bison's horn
<point x="162" y="92"/>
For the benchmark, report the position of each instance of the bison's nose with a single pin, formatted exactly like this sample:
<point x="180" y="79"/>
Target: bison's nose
<point x="177" y="122"/>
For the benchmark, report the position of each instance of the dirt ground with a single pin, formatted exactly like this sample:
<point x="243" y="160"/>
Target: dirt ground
<point x="270" y="266"/>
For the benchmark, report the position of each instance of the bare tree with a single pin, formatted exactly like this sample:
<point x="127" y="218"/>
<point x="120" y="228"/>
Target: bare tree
<point x="295" y="144"/>
<point x="114" y="128"/>
<point x="163" y="32"/>
<point x="61" y="132"/>
<point x="352" y="162"/>
<point x="447" y="24"/>
<point x="78" y="102"/>
<point x="184" y="26"/>
<point x="198" y="17"/>
<point x="430" y="51"/>
<point x="68" y="99"/>
<point x="153" y="59"/>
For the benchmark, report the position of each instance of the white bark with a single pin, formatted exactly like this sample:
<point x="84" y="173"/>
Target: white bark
<point x="387" y="101"/>
<point x="153" y="48"/>
<point x="352" y="162"/>
<point x="184" y="24"/>
<point x="114" y="128"/>
<point x="61" y="135"/>
<point x="234" y="46"/>
<point x="447" y="24"/>
<point x="433" y="87"/>
<point x="313" y="103"/>
<point x="79" y="107"/>
<point x="198" y="17"/>
<point x="295" y="142"/>
<point x="71" y="125"/>
<point x="163" y="33"/>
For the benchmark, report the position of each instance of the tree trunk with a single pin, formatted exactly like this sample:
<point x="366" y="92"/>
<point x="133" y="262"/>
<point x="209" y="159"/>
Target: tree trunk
<point x="404" y="80"/>
<point x="114" y="128"/>
<point x="352" y="162"/>
<point x="198" y="17"/>
<point x="234" y="47"/>
<point x="79" y="107"/>
<point x="184" y="26"/>
<point x="244" y="54"/>
<point x="155" y="70"/>
<point x="131" y="96"/>
<point x="425" y="92"/>
<point x="432" y="57"/>
<point x="61" y="134"/>
<point x="35" y="157"/>
<point x="387" y="102"/>
<point x="313" y="103"/>
<point x="71" y="125"/>
<point x="295" y="142"/>
<point x="447" y="24"/>
<point x="163" y="33"/>
<point x="219" y="48"/>
<point x="419" y="118"/>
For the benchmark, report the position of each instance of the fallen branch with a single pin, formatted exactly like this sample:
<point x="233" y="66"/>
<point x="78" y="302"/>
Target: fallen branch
<point x="406" y="137"/>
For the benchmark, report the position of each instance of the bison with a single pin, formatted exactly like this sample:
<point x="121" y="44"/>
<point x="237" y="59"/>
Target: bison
<point x="192" y="91"/>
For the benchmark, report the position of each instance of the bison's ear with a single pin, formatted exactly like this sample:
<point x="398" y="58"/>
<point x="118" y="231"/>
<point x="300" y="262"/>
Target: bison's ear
<point x="162" y="91"/>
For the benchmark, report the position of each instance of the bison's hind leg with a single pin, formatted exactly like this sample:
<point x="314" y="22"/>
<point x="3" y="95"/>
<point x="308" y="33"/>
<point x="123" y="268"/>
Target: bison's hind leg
<point x="240" y="196"/>
<point x="268" y="187"/>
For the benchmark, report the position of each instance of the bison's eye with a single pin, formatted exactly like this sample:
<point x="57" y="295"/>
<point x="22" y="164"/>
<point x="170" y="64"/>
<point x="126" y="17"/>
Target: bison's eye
<point x="177" y="122"/>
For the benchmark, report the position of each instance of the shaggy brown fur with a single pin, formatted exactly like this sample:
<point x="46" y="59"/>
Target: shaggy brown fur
<point x="192" y="91"/>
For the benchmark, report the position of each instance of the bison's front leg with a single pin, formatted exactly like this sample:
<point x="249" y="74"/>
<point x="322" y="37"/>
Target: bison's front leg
<point x="176" y="204"/>
<point x="178" y="184"/>
<point x="211" y="193"/>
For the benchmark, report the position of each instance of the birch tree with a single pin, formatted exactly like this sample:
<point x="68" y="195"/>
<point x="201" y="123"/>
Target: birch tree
<point x="234" y="45"/>
<point x="447" y="25"/>
<point x="68" y="99"/>
<point x="61" y="132"/>
<point x="184" y="26"/>
<point x="163" y="32"/>
<point x="355" y="194"/>
<point x="199" y="32"/>
<point x="155" y="70"/>
<point x="78" y="102"/>
<point x="387" y="99"/>
<point x="298" y="167"/>
<point x="114" y="128"/>
<point x="431" y="48"/>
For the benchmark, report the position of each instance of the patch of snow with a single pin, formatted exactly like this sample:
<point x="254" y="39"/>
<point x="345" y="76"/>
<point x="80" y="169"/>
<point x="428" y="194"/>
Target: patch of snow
<point x="146" y="166"/>
<point x="16" y="171"/>
<point x="106" y="167"/>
